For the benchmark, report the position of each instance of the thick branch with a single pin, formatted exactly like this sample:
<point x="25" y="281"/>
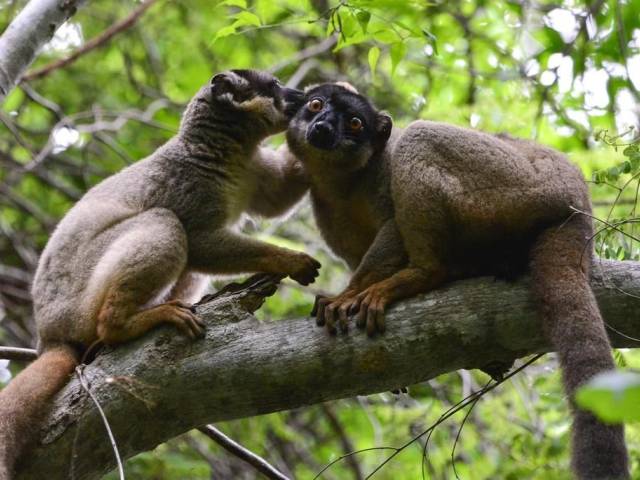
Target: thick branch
<point x="31" y="29"/>
<point x="163" y="384"/>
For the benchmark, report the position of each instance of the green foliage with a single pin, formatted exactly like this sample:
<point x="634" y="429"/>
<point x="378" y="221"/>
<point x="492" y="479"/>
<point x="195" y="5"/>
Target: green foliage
<point x="497" y="66"/>
<point x="613" y="396"/>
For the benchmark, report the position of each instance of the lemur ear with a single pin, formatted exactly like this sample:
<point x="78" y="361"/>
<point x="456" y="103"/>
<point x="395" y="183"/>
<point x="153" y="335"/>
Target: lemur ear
<point x="384" y="124"/>
<point x="221" y="83"/>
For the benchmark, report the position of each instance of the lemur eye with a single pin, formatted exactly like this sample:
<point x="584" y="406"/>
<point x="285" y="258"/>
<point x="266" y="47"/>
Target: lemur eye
<point x="356" y="124"/>
<point x="315" y="105"/>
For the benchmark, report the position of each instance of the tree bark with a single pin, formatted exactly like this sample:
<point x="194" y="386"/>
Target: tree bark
<point x="28" y="32"/>
<point x="163" y="384"/>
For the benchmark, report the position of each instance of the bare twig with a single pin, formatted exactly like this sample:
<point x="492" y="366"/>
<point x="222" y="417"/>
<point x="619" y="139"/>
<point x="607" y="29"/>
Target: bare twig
<point x="18" y="354"/>
<point x="347" y="446"/>
<point x="233" y="447"/>
<point x="112" y="439"/>
<point x="92" y="44"/>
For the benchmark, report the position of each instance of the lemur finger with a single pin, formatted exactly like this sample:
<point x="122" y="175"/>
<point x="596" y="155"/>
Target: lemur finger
<point x="330" y="317"/>
<point x="314" y="309"/>
<point x="344" y="317"/>
<point x="320" y="316"/>
<point x="371" y="321"/>
<point x="363" y="304"/>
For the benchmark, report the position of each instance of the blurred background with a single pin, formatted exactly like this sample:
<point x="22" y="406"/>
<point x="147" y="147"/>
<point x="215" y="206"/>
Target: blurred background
<point x="109" y="89"/>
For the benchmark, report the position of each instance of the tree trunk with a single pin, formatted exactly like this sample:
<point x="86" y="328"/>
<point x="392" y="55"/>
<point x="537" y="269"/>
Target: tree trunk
<point x="163" y="384"/>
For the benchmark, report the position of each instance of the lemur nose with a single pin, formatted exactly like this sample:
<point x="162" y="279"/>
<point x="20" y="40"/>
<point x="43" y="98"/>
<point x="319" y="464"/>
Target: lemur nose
<point x="323" y="129"/>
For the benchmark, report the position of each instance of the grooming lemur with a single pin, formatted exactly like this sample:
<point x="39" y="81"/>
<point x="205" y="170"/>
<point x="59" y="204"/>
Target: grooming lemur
<point x="130" y="254"/>
<point x="411" y="209"/>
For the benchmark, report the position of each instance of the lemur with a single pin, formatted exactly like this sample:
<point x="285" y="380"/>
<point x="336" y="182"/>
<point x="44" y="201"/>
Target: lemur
<point x="411" y="209"/>
<point x="132" y="252"/>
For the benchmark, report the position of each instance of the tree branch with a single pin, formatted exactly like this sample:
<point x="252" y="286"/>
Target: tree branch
<point x="257" y="462"/>
<point x="92" y="44"/>
<point x="31" y="29"/>
<point x="163" y="384"/>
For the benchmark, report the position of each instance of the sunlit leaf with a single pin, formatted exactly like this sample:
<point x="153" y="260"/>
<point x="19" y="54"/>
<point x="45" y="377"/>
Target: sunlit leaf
<point x="613" y="396"/>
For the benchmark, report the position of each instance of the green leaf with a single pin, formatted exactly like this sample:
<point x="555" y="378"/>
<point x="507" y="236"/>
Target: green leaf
<point x="225" y="32"/>
<point x="363" y="19"/>
<point x="398" y="51"/>
<point x="235" y="3"/>
<point x="373" y="56"/>
<point x="246" y="18"/>
<point x="612" y="396"/>
<point x="613" y="173"/>
<point x="386" y="36"/>
<point x="630" y="150"/>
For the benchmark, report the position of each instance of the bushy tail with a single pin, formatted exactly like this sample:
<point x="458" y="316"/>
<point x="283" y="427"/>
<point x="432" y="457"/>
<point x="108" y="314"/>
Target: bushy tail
<point x="23" y="403"/>
<point x="560" y="267"/>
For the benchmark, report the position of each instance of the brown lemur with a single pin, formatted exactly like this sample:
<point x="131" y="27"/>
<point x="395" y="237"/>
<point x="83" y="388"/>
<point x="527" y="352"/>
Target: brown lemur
<point x="411" y="209"/>
<point x="131" y="253"/>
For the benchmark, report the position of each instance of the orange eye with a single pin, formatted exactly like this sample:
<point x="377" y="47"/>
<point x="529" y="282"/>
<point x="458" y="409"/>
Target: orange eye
<point x="356" y="124"/>
<point x="315" y="105"/>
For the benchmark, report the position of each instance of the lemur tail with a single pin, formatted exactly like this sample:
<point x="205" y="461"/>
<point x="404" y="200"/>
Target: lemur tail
<point x="23" y="403"/>
<point x="560" y="267"/>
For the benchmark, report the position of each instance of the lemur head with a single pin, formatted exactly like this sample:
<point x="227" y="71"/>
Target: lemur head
<point x="250" y="97"/>
<point x="337" y="127"/>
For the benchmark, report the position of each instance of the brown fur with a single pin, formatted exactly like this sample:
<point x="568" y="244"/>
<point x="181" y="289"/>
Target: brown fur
<point x="131" y="252"/>
<point x="440" y="203"/>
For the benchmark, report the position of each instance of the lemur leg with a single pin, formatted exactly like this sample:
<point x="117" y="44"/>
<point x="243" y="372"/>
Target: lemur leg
<point x="189" y="287"/>
<point x="135" y="270"/>
<point x="385" y="256"/>
<point x="223" y="251"/>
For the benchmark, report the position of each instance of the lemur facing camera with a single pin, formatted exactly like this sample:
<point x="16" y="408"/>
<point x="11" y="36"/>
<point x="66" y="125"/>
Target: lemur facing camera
<point x="131" y="253"/>
<point x="411" y="209"/>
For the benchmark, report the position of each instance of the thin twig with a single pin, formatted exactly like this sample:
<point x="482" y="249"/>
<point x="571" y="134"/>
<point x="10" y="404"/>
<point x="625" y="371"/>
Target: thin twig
<point x="242" y="453"/>
<point x="18" y="354"/>
<point x="92" y="44"/>
<point x="114" y="445"/>
<point x="347" y="445"/>
<point x="453" y="412"/>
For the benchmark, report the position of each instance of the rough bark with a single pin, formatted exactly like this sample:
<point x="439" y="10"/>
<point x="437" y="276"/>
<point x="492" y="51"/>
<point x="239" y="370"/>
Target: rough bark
<point x="163" y="384"/>
<point x="28" y="32"/>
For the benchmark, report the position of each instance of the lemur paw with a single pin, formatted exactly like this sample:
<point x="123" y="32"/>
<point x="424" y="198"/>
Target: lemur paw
<point x="182" y="316"/>
<point x="305" y="269"/>
<point x="331" y="310"/>
<point x="369" y="306"/>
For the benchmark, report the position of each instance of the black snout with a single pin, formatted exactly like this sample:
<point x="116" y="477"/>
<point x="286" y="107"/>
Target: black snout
<point x="293" y="100"/>
<point x="322" y="135"/>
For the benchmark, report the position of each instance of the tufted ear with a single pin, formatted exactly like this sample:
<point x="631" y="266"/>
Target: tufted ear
<point x="221" y="83"/>
<point x="230" y="85"/>
<point x="384" y="124"/>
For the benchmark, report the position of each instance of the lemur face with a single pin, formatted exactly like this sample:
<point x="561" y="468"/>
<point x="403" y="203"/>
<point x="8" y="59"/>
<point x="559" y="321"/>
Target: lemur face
<point x="258" y="94"/>
<point x="337" y="126"/>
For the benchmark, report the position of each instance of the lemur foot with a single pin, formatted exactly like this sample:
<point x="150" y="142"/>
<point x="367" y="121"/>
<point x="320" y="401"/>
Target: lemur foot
<point x="182" y="316"/>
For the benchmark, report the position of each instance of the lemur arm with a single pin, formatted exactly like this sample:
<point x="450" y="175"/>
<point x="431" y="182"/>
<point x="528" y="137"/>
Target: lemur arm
<point x="280" y="181"/>
<point x="385" y="256"/>
<point x="223" y="251"/>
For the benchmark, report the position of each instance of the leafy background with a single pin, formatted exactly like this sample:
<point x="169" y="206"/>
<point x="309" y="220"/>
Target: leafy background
<point x="566" y="73"/>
